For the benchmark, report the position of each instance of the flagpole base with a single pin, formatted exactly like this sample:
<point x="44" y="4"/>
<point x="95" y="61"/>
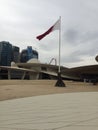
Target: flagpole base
<point x="60" y="82"/>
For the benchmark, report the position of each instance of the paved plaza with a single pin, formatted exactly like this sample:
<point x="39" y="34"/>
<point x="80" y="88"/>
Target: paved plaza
<point x="69" y="111"/>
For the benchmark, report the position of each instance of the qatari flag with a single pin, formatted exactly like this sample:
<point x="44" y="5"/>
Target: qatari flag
<point x="56" y="26"/>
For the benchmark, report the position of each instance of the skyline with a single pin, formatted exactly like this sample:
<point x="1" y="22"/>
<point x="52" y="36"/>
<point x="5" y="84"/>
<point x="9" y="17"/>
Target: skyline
<point x="23" y="20"/>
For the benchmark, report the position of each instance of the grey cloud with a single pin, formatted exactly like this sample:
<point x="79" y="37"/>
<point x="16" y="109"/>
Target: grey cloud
<point x="90" y="36"/>
<point x="71" y="35"/>
<point x="47" y="45"/>
<point x="71" y="59"/>
<point x="79" y="51"/>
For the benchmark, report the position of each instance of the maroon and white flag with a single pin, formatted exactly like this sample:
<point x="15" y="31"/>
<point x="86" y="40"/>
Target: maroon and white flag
<point x="56" y="26"/>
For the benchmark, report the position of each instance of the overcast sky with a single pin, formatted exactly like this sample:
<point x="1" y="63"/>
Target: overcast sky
<point x="22" y="20"/>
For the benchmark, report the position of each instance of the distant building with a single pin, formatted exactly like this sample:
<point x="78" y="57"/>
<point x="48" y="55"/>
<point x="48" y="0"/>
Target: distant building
<point x="8" y="53"/>
<point x="15" y="54"/>
<point x="28" y="54"/>
<point x="5" y="53"/>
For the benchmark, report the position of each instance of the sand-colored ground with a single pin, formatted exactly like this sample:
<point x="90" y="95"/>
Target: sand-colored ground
<point x="10" y="89"/>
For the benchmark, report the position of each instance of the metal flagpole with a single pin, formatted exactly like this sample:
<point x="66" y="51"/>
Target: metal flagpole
<point x="59" y="70"/>
<point x="59" y="82"/>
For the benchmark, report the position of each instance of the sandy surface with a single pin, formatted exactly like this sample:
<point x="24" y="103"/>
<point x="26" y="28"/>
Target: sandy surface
<point x="10" y="89"/>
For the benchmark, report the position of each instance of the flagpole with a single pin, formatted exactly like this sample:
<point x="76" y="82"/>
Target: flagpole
<point x="59" y="70"/>
<point x="59" y="82"/>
